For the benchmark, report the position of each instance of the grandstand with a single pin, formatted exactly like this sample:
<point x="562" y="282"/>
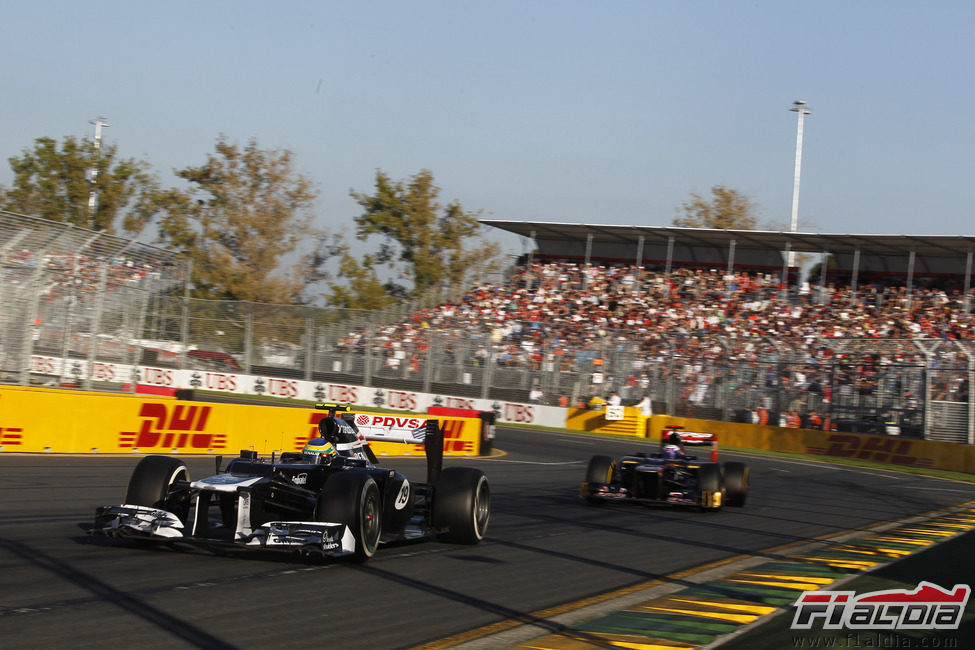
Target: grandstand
<point x="704" y="326"/>
<point x="909" y="260"/>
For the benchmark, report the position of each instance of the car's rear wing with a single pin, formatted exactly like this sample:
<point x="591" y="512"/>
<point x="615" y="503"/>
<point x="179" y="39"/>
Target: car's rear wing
<point x="676" y="434"/>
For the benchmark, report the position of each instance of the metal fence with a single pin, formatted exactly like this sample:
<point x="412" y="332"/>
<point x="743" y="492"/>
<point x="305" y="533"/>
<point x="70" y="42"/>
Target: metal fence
<point x="88" y="297"/>
<point x="70" y="291"/>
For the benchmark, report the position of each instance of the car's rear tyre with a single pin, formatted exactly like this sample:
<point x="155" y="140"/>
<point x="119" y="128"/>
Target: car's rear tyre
<point x="709" y="480"/>
<point x="151" y="480"/>
<point x="599" y="472"/>
<point x="735" y="484"/>
<point x="352" y="498"/>
<point x="462" y="505"/>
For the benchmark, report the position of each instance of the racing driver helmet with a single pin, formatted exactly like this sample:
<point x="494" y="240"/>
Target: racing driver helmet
<point x="319" y="451"/>
<point x="671" y="451"/>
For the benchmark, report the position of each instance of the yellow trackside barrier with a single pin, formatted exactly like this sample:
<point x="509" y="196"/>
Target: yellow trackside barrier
<point x="632" y="424"/>
<point x="59" y="421"/>
<point x="893" y="450"/>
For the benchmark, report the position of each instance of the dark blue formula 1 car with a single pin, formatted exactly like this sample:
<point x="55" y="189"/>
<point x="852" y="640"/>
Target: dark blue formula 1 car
<point x="331" y="499"/>
<point x="670" y="476"/>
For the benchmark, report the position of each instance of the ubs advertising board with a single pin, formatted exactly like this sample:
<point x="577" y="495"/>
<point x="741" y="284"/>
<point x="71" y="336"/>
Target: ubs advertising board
<point x="313" y="391"/>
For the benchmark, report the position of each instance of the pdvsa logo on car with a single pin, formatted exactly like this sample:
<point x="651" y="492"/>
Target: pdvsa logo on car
<point x="388" y="428"/>
<point x="927" y="607"/>
<point x="389" y="421"/>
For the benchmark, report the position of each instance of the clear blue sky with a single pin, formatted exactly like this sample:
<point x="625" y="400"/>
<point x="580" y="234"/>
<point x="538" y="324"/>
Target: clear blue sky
<point x="576" y="111"/>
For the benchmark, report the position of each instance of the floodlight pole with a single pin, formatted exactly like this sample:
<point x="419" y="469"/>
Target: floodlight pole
<point x="99" y="123"/>
<point x="799" y="107"/>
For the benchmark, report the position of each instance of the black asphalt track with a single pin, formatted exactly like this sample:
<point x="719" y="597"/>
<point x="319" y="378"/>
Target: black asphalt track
<point x="545" y="548"/>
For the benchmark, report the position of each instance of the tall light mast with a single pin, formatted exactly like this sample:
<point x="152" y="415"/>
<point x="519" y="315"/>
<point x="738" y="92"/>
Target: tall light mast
<point x="99" y="123"/>
<point x="799" y="107"/>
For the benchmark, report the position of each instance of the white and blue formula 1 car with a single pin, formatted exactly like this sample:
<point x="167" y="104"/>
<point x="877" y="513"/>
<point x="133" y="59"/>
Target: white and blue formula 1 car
<point x="330" y="500"/>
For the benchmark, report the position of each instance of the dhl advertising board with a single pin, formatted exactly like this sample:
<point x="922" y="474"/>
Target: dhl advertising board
<point x="891" y="450"/>
<point x="57" y="421"/>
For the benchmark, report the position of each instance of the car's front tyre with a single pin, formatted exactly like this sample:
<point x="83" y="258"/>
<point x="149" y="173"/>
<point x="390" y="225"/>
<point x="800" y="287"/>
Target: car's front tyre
<point x="599" y="471"/>
<point x="711" y="486"/>
<point x="151" y="484"/>
<point x="352" y="498"/>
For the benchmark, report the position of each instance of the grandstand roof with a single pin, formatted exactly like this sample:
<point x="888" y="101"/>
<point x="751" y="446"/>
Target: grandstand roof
<point x="552" y="236"/>
<point x="40" y="235"/>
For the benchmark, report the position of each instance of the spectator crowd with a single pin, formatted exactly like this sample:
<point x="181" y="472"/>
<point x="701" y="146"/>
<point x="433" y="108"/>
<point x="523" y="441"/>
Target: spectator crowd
<point x="638" y="328"/>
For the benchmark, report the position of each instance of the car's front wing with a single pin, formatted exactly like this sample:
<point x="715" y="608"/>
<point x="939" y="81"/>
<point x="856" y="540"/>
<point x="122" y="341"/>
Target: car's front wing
<point x="611" y="493"/>
<point x="309" y="537"/>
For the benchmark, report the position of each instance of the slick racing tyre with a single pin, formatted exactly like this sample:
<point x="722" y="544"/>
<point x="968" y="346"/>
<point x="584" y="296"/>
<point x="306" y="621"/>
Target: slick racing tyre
<point x="151" y="482"/>
<point x="709" y="481"/>
<point x="598" y="472"/>
<point x="735" y="484"/>
<point x="352" y="498"/>
<point x="462" y="505"/>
